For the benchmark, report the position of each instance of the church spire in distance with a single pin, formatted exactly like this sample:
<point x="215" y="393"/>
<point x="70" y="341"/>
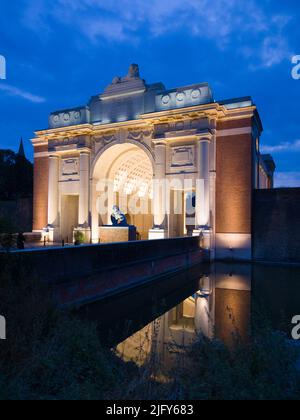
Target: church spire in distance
<point x="21" y="152"/>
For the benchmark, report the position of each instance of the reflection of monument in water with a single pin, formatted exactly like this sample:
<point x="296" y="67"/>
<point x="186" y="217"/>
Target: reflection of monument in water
<point x="221" y="309"/>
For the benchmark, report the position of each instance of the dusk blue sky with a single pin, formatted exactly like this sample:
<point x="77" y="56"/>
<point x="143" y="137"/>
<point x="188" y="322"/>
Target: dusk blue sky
<point x="61" y="52"/>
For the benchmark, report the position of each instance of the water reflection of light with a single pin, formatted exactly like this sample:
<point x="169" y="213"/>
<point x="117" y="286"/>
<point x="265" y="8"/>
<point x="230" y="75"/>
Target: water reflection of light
<point x="206" y="287"/>
<point x="219" y="309"/>
<point x="137" y="348"/>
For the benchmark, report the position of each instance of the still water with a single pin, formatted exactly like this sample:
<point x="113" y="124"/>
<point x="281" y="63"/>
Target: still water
<point x="220" y="301"/>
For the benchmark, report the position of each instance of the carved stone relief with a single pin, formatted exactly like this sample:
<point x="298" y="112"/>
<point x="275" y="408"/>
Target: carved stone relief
<point x="183" y="156"/>
<point x="177" y="125"/>
<point x="66" y="141"/>
<point x="67" y="118"/>
<point x="140" y="135"/>
<point x="69" y="142"/>
<point x="70" y="167"/>
<point x="109" y="138"/>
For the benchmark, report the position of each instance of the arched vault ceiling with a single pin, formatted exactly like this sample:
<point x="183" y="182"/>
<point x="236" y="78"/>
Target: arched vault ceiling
<point x="129" y="167"/>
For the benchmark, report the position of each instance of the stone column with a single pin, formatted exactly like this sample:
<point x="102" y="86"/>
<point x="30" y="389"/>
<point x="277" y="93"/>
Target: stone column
<point x="84" y="196"/>
<point x="53" y="191"/>
<point x="94" y="213"/>
<point x="203" y="190"/>
<point x="159" y="230"/>
<point x="51" y="232"/>
<point x="83" y="218"/>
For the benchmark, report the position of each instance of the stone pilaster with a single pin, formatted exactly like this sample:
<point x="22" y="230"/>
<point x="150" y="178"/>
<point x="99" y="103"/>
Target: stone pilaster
<point x="84" y="196"/>
<point x="53" y="196"/>
<point x="203" y="192"/>
<point x="84" y="190"/>
<point x="159" y="230"/>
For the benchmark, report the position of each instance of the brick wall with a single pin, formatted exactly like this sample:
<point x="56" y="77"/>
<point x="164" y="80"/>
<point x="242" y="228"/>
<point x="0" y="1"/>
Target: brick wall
<point x="276" y="225"/>
<point x="234" y="180"/>
<point x="86" y="273"/>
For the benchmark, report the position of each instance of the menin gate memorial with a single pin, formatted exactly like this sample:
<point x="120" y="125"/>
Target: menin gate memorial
<point x="126" y="142"/>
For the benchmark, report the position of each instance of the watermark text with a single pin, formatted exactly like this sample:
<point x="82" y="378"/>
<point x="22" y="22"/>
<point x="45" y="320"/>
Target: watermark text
<point x="296" y="329"/>
<point x="2" y="328"/>
<point x="296" y="68"/>
<point x="165" y="196"/>
<point x="2" y="67"/>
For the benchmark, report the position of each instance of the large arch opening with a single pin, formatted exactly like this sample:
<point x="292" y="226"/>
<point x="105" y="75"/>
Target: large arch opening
<point x="123" y="176"/>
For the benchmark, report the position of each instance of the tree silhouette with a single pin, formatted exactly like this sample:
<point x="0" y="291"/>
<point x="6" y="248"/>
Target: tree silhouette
<point x="16" y="176"/>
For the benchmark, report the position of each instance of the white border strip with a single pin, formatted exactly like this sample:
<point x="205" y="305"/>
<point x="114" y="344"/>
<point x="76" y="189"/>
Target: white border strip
<point x="234" y="132"/>
<point x="41" y="154"/>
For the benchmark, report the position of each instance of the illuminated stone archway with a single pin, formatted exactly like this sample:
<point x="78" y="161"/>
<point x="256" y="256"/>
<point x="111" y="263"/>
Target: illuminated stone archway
<point x="122" y="175"/>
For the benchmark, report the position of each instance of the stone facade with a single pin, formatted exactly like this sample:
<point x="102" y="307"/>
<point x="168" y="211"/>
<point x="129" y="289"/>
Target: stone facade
<point x="207" y="150"/>
<point x="113" y="234"/>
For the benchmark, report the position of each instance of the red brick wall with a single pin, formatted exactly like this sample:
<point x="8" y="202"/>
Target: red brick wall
<point x="40" y="193"/>
<point x="234" y="180"/>
<point x="231" y="124"/>
<point x="41" y="149"/>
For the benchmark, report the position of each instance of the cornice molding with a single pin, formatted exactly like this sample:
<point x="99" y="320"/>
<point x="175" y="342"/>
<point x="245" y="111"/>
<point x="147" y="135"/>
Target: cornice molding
<point x="212" y="112"/>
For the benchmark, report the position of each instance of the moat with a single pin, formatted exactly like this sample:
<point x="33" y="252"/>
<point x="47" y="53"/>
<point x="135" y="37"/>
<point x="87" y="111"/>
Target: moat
<point x="223" y="301"/>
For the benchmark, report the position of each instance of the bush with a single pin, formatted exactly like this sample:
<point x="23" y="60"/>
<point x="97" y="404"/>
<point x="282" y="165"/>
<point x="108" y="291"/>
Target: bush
<point x="6" y="225"/>
<point x="49" y="353"/>
<point x="264" y="369"/>
<point x="7" y="241"/>
<point x="68" y="364"/>
<point x="79" y="237"/>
